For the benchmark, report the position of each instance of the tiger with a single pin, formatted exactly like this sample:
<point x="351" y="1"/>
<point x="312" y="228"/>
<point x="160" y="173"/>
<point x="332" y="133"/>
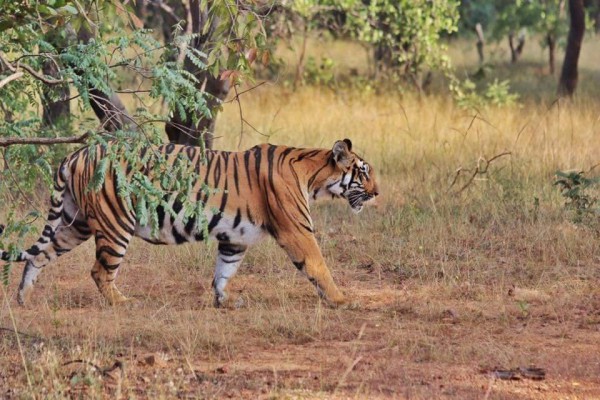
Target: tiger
<point x="264" y="191"/>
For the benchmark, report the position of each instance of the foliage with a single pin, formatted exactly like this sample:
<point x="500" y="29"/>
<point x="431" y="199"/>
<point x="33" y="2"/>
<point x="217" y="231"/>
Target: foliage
<point x="117" y="53"/>
<point x="476" y="12"/>
<point x="161" y="184"/>
<point x="514" y="16"/>
<point x="575" y="188"/>
<point x="501" y="18"/>
<point x="404" y="36"/>
<point x="551" y="18"/>
<point x="238" y="40"/>
<point x="496" y="93"/>
<point x="320" y="73"/>
<point x="407" y="32"/>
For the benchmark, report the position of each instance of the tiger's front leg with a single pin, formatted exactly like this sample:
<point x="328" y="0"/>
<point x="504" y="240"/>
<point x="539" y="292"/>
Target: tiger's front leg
<point x="228" y="261"/>
<point x="306" y="255"/>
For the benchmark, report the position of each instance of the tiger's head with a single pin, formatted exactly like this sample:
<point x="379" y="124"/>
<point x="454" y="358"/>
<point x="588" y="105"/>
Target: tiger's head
<point x="357" y="182"/>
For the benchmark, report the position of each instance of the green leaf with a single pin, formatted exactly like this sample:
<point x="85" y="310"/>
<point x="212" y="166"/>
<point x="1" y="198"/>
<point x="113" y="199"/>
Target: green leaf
<point x="45" y="10"/>
<point x="67" y="9"/>
<point x="99" y="175"/>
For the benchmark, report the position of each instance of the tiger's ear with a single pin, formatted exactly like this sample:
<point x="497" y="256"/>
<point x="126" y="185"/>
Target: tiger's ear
<point x="348" y="143"/>
<point x="342" y="153"/>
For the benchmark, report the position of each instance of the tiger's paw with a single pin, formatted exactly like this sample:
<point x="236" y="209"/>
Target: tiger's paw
<point x="350" y="305"/>
<point x="220" y="300"/>
<point x="116" y="299"/>
<point x="344" y="304"/>
<point x="123" y="300"/>
<point x="21" y="297"/>
<point x="337" y="301"/>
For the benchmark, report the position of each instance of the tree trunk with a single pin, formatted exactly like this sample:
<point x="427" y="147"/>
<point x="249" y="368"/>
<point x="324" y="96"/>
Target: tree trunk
<point x="56" y="108"/>
<point x="56" y="112"/>
<point x="569" y="74"/>
<point x="515" y="52"/>
<point x="480" y="42"/>
<point x="551" y="42"/>
<point x="108" y="108"/>
<point x="521" y="43"/>
<point x="182" y="130"/>
<point x="597" y="16"/>
<point x="300" y="66"/>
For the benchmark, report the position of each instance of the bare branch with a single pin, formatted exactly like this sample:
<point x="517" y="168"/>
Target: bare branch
<point x="10" y="78"/>
<point x="32" y="72"/>
<point x="237" y="98"/>
<point x="5" y="142"/>
<point x="238" y="94"/>
<point x="482" y="167"/>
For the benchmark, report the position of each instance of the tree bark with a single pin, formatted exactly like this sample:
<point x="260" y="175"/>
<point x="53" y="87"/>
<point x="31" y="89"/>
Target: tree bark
<point x="56" y="113"/>
<point x="55" y="98"/>
<point x="183" y="130"/>
<point x="480" y="42"/>
<point x="515" y="52"/>
<point x="569" y="74"/>
<point x="597" y="16"/>
<point x="108" y="107"/>
<point x="300" y="66"/>
<point x="5" y="142"/>
<point x="551" y="42"/>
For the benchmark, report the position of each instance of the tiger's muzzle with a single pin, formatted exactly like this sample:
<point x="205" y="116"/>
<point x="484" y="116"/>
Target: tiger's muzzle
<point x="357" y="198"/>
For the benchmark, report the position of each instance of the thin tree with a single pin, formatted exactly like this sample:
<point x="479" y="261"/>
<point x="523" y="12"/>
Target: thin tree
<point x="569" y="74"/>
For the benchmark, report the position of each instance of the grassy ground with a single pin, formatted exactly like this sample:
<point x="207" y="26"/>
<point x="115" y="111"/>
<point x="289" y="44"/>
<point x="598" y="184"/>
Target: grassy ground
<point x="453" y="276"/>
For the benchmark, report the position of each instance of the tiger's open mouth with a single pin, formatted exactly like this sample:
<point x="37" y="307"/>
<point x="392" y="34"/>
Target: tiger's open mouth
<point x="357" y="199"/>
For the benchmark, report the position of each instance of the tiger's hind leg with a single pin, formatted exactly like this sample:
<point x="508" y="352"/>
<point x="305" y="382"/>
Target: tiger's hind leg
<point x="110" y="251"/>
<point x="51" y="245"/>
<point x="228" y="261"/>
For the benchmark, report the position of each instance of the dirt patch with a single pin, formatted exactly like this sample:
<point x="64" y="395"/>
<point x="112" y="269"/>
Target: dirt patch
<point x="398" y="340"/>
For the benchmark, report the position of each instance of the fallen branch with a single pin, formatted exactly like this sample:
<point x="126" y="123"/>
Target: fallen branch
<point x="482" y="167"/>
<point x="5" y="142"/>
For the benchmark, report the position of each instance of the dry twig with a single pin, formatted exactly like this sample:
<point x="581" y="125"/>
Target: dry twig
<point x="482" y="168"/>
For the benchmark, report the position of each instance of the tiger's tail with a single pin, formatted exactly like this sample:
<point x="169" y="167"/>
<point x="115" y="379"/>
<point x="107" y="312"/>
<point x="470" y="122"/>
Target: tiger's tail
<point x="54" y="219"/>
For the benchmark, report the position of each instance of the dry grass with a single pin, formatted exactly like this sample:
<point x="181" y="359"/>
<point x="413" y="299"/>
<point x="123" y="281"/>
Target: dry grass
<point x="447" y="281"/>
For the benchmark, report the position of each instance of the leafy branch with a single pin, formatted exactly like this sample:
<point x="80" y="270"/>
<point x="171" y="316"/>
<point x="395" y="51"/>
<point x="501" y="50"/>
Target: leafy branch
<point x="574" y="187"/>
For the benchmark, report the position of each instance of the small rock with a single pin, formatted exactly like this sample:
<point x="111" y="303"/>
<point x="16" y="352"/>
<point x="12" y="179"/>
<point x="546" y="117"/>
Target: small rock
<point x="449" y="314"/>
<point x="154" y="360"/>
<point x="222" y="370"/>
